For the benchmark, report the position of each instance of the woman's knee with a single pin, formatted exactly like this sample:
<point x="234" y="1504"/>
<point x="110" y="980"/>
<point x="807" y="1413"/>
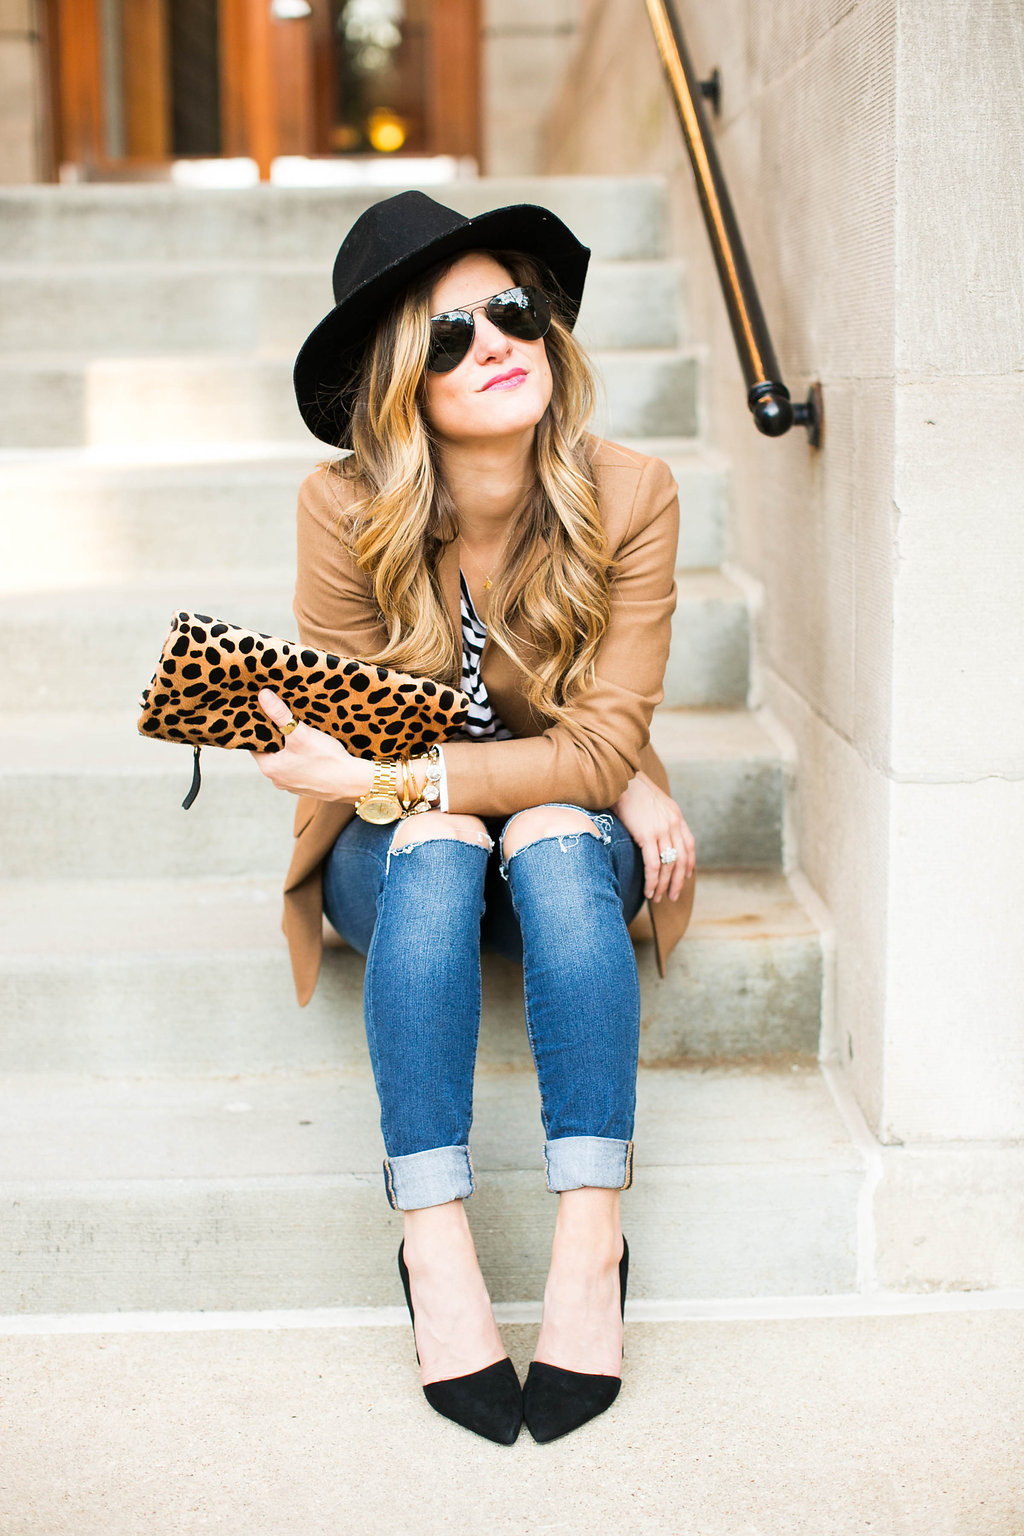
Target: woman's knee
<point x="544" y="821"/>
<point x="432" y="826"/>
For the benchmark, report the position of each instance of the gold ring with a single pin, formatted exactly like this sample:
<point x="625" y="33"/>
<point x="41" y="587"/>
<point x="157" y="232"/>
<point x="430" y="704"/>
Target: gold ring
<point x="286" y="730"/>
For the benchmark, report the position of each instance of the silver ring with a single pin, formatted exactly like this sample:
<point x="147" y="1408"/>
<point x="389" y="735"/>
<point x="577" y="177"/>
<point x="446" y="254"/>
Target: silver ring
<point x="669" y="855"/>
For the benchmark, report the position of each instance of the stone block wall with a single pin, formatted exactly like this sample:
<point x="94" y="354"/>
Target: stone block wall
<point x="872" y="148"/>
<point x="526" y="49"/>
<point x="23" y="155"/>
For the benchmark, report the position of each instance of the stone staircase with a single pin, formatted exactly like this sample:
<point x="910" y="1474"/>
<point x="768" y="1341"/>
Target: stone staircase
<point x="175" y="1131"/>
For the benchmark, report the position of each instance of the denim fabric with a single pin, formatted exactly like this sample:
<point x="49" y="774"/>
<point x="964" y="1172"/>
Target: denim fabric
<point x="560" y="906"/>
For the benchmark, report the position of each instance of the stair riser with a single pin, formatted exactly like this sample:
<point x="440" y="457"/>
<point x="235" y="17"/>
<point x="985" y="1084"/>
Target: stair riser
<point x="619" y="218"/>
<point x="115" y="654"/>
<point x="96" y="527"/>
<point x="701" y="1232"/>
<point x="217" y="399"/>
<point x="235" y="1011"/>
<point x="133" y="311"/>
<point x="128" y="824"/>
<point x="709" y="663"/>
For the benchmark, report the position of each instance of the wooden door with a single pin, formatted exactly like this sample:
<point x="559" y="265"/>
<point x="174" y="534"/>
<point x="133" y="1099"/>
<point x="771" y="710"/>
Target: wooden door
<point x="269" y="79"/>
<point x="401" y="77"/>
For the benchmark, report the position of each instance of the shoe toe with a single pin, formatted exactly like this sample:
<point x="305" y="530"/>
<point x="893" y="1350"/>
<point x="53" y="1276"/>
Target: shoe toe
<point x="488" y="1402"/>
<point x="556" y="1401"/>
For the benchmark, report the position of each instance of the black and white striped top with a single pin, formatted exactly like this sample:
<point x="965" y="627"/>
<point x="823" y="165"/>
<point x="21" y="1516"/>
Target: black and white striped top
<point x="481" y="722"/>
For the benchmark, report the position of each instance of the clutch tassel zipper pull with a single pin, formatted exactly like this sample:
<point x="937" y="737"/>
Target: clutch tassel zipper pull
<point x="197" y="780"/>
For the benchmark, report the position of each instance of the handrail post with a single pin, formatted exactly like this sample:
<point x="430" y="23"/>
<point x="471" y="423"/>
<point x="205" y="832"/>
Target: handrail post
<point x="767" y="396"/>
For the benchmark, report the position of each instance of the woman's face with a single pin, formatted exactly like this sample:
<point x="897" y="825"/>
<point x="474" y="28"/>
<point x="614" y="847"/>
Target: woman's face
<point x="502" y="386"/>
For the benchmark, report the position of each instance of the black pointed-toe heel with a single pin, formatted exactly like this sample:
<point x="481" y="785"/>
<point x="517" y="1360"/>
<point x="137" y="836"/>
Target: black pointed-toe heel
<point x="488" y="1402"/>
<point x="556" y="1401"/>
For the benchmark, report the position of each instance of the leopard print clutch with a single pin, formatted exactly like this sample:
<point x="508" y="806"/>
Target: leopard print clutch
<point x="204" y="692"/>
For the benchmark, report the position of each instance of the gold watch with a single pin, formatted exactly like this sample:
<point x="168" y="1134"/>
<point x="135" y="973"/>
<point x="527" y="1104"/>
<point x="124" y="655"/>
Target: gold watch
<point x="381" y="804"/>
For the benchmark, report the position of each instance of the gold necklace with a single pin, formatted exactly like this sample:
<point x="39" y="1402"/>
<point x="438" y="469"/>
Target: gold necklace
<point x="488" y="583"/>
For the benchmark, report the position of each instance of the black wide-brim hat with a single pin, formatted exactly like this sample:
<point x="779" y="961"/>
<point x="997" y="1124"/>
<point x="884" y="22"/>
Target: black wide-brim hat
<point x="389" y="245"/>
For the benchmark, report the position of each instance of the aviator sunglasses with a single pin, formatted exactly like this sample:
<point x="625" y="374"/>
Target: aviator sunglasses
<point x="520" y="312"/>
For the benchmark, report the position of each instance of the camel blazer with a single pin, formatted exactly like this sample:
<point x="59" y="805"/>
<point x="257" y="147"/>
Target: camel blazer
<point x="591" y="767"/>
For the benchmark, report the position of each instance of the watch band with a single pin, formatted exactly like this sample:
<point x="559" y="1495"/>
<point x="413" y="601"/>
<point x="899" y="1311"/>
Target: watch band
<point x="381" y="804"/>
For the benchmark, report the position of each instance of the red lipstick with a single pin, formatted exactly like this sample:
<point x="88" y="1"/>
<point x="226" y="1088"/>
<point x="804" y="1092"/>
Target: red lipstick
<point x="512" y="376"/>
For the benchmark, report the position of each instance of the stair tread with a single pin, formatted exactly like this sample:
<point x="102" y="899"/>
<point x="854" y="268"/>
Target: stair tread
<point x="104" y="602"/>
<point x="109" y="742"/>
<point x="325" y="1125"/>
<point x="231" y="359"/>
<point x="101" y="917"/>
<point x="247" y="265"/>
<point x="251" y="456"/>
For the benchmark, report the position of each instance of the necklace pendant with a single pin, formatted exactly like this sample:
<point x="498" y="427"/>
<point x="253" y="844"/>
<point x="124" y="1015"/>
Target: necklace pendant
<point x="488" y="583"/>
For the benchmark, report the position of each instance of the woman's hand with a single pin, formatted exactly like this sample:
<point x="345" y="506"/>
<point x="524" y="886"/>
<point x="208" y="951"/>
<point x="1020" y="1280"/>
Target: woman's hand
<point x="311" y="763"/>
<point x="655" y="823"/>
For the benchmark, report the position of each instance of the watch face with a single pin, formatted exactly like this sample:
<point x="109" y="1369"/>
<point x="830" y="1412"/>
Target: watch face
<point x="380" y="809"/>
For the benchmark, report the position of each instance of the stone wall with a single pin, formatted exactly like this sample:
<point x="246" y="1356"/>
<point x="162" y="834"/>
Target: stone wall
<point x="526" y="48"/>
<point x="872" y="148"/>
<point x="22" y="151"/>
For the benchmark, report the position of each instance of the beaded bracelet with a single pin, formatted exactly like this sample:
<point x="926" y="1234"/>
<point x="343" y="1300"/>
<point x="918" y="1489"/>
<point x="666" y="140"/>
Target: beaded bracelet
<point x="429" y="796"/>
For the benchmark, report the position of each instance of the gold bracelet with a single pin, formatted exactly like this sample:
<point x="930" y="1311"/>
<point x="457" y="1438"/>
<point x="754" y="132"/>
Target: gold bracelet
<point x="416" y="801"/>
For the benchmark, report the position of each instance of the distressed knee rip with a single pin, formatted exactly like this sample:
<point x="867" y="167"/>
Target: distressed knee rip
<point x="473" y="837"/>
<point x="568" y="839"/>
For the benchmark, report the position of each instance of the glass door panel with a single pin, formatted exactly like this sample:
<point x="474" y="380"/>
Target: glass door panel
<point x="380" y="100"/>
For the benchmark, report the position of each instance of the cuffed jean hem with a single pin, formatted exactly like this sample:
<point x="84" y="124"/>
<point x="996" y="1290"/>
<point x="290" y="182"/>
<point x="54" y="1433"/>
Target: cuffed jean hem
<point x="428" y="1178"/>
<point x="588" y="1162"/>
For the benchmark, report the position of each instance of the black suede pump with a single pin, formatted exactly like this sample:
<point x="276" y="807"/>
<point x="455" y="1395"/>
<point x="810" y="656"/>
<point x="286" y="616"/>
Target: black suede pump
<point x="556" y="1401"/>
<point x="488" y="1402"/>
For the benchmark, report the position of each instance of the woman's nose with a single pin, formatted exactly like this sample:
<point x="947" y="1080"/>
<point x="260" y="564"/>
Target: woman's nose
<point x="488" y="342"/>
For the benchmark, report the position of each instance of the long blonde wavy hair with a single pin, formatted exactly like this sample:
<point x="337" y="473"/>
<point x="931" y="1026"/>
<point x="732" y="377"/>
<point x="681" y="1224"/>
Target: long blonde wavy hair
<point x="405" y="517"/>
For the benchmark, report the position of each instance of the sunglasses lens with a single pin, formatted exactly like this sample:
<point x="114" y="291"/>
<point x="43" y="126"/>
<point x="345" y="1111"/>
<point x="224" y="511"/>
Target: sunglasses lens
<point x="450" y="338"/>
<point x="521" y="312"/>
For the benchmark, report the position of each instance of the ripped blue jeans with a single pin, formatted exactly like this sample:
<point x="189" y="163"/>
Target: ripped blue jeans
<point x="559" y="905"/>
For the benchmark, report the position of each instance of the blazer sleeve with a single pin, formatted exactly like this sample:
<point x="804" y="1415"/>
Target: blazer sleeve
<point x="591" y="764"/>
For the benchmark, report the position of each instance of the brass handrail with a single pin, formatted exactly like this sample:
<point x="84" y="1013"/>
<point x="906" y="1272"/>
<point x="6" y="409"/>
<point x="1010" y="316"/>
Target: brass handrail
<point x="767" y="396"/>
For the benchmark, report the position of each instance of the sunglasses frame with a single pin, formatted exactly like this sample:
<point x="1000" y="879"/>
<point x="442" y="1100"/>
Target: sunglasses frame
<point x="542" y="314"/>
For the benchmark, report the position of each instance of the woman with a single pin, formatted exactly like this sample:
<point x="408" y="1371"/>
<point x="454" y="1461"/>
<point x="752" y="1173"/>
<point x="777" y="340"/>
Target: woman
<point x="478" y="532"/>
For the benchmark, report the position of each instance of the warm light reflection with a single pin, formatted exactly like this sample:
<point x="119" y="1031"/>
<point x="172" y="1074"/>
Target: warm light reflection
<point x="385" y="131"/>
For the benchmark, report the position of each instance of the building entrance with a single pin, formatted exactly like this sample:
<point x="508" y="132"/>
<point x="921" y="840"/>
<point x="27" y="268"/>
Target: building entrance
<point x="140" y="83"/>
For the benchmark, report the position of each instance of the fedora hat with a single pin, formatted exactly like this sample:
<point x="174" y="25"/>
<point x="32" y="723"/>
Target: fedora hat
<point x="389" y="245"/>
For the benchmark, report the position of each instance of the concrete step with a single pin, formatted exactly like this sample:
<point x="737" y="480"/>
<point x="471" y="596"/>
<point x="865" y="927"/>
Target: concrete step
<point x="59" y="399"/>
<point x="104" y="642"/>
<point x="78" y="517"/>
<point x="619" y="217"/>
<point x="266" y="1192"/>
<point x="282" y="1423"/>
<point x="87" y="796"/>
<point x="123" y="309"/>
<point x="190" y="976"/>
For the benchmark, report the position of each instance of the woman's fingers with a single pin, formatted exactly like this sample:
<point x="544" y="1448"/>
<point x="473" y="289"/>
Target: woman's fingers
<point x="679" y="838"/>
<point x="683" y="867"/>
<point x="274" y="707"/>
<point x="652" y="866"/>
